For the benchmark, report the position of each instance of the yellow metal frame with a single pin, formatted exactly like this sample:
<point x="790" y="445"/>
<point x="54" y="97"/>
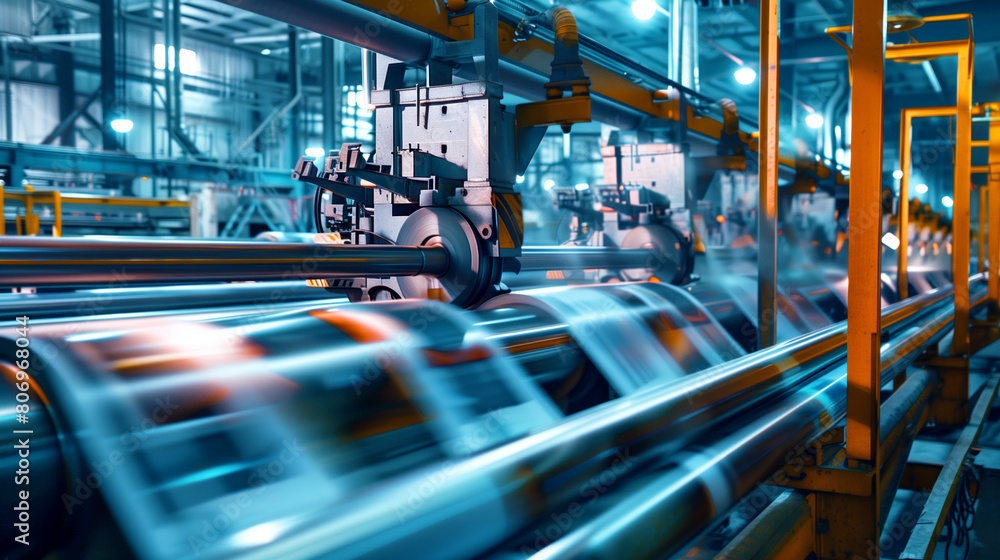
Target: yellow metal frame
<point x="988" y="234"/>
<point x="853" y="496"/>
<point x="28" y="224"/>
<point x="767" y="204"/>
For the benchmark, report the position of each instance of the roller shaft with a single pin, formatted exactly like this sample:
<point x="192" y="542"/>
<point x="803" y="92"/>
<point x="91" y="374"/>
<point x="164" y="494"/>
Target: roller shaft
<point x="50" y="262"/>
<point x="550" y="258"/>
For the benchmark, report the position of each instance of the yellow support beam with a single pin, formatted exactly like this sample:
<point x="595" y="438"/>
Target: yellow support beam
<point x="767" y="224"/>
<point x="30" y="198"/>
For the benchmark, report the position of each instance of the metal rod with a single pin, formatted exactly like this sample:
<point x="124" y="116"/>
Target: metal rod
<point x="78" y="262"/>
<point x="564" y="257"/>
<point x="768" y="153"/>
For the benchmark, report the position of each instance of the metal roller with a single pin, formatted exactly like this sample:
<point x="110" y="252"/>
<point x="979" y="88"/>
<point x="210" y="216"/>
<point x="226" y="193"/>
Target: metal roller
<point x="411" y="395"/>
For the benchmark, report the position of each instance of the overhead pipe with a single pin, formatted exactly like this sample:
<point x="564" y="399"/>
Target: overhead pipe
<point x="830" y="118"/>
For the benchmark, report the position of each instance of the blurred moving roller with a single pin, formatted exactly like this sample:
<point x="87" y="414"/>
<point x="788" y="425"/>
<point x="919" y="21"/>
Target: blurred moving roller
<point x="373" y="430"/>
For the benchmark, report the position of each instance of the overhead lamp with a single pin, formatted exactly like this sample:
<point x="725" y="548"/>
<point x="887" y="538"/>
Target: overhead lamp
<point x="519" y="179"/>
<point x="902" y="16"/>
<point x="745" y="75"/>
<point x="947" y="201"/>
<point x="644" y="9"/>
<point x="890" y="240"/>
<point x="548" y="184"/>
<point x="265" y="52"/>
<point x="920" y="189"/>
<point x="814" y="120"/>
<point x="582" y="186"/>
<point x="897" y="174"/>
<point x="315" y="152"/>
<point x="121" y="125"/>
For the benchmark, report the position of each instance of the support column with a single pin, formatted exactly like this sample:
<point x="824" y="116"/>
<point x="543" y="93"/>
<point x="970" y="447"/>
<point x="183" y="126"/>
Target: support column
<point x="109" y="73"/>
<point x="294" y="87"/>
<point x="960" y="211"/>
<point x="903" y="210"/>
<point x="993" y="205"/>
<point x="864" y="268"/>
<point x="333" y="87"/>
<point x="65" y="79"/>
<point x="767" y="221"/>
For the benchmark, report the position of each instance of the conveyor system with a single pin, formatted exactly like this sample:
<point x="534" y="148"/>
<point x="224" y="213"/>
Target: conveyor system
<point x="370" y="430"/>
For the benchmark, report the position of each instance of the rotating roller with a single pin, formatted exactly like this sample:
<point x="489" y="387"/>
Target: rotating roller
<point x="285" y="428"/>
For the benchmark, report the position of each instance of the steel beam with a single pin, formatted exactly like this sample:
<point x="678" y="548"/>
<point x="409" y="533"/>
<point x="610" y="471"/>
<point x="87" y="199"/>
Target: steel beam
<point x="767" y="223"/>
<point x="903" y="209"/>
<point x="993" y="281"/>
<point x="109" y="73"/>
<point x="27" y="156"/>
<point x="960" y="211"/>
<point x="854" y="532"/>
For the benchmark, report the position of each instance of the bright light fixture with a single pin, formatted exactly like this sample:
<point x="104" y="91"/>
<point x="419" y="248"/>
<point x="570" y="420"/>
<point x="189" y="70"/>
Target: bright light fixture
<point x="890" y="240"/>
<point x="265" y="52"/>
<point x="947" y="201"/>
<point x="745" y="75"/>
<point x="814" y="120"/>
<point x="897" y="174"/>
<point x="315" y="152"/>
<point x="519" y="179"/>
<point x="582" y="186"/>
<point x="921" y="188"/>
<point x="122" y="125"/>
<point x="548" y="184"/>
<point x="644" y="9"/>
<point x="163" y="59"/>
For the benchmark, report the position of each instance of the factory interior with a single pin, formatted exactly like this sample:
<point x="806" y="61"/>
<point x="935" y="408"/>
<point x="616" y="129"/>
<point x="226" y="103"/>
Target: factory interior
<point x="500" y="279"/>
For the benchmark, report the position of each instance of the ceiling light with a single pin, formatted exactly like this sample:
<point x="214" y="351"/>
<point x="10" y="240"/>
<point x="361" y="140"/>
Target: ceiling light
<point x="315" y="152"/>
<point x="921" y="188"/>
<point x="548" y="184"/>
<point x="814" y="120"/>
<point x="265" y="52"/>
<point x="897" y="174"/>
<point x="890" y="240"/>
<point x="122" y="125"/>
<point x="644" y="9"/>
<point x="582" y="186"/>
<point x="947" y="201"/>
<point x="745" y="75"/>
<point x="519" y="179"/>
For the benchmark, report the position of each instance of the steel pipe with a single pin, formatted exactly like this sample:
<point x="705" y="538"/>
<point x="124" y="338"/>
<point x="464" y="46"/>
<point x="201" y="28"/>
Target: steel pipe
<point x="33" y="261"/>
<point x="120" y="299"/>
<point x="568" y="257"/>
<point x="557" y="459"/>
<point x="655" y="519"/>
<point x="562" y="458"/>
